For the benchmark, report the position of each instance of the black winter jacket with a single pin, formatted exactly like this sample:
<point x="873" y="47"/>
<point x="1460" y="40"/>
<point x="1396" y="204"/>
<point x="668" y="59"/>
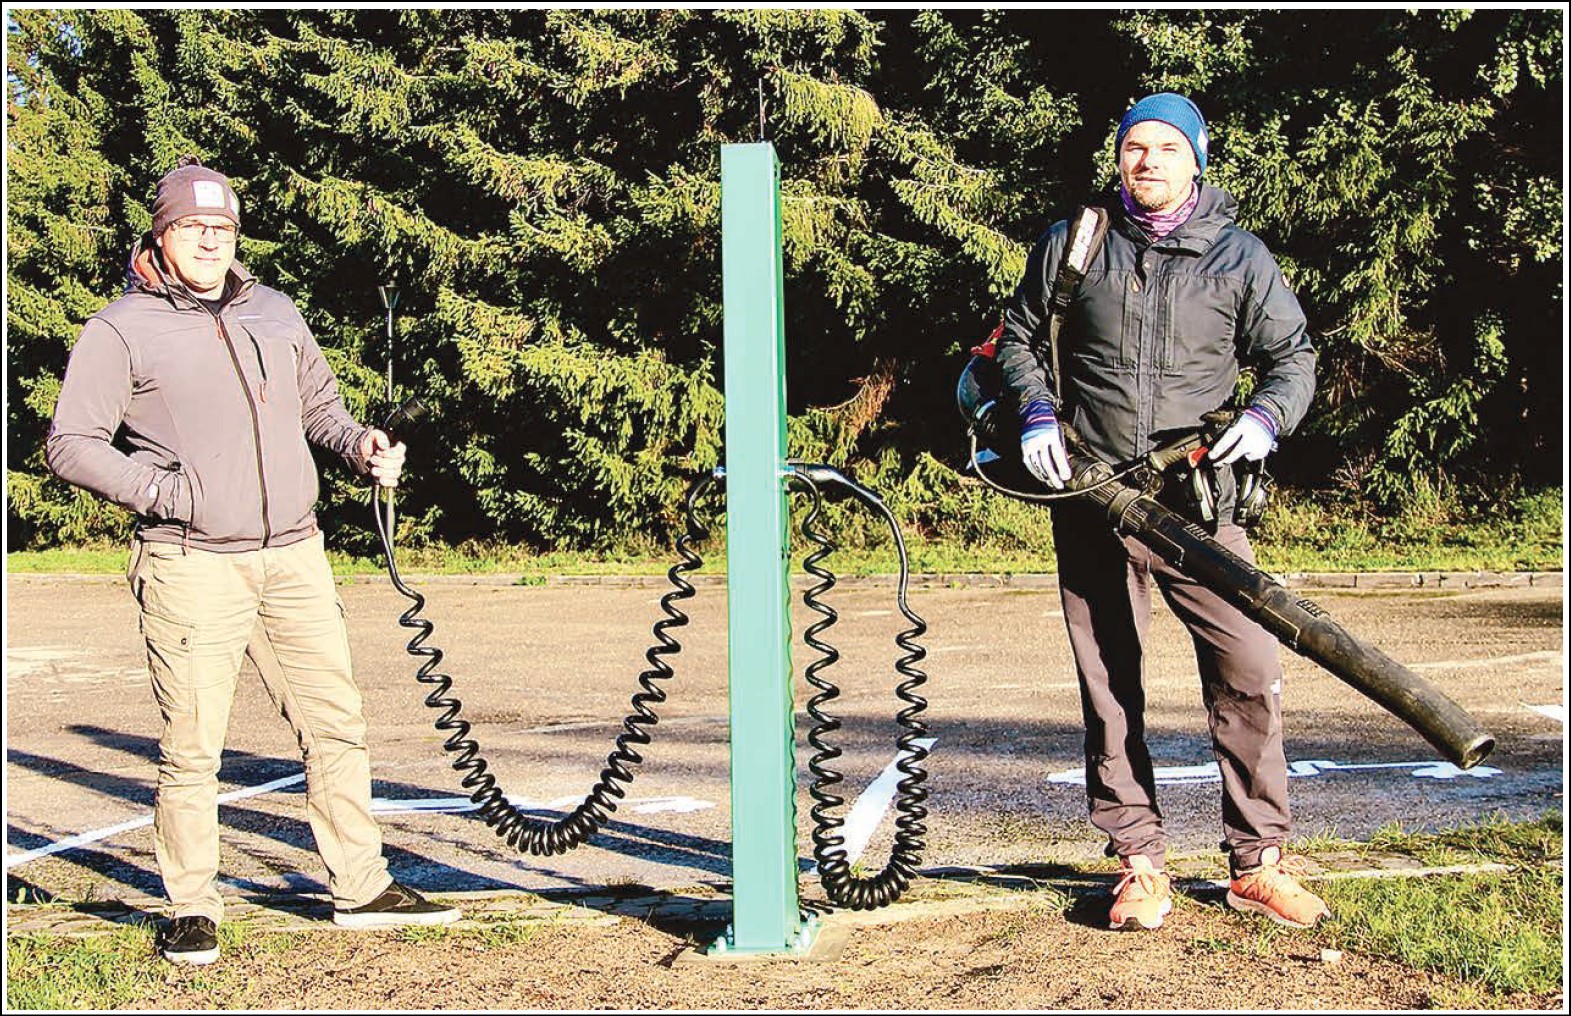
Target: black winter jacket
<point x="1156" y="333"/>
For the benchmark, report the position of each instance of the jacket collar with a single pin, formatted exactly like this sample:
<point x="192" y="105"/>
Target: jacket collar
<point x="1214" y="212"/>
<point x="145" y="273"/>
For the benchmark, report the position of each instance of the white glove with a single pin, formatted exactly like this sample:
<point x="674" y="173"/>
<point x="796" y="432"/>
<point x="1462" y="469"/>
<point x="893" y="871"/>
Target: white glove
<point x="386" y="459"/>
<point x="1252" y="437"/>
<point x="1042" y="448"/>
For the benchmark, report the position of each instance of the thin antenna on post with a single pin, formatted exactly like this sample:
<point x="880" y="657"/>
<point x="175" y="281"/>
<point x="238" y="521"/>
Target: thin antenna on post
<point x="389" y="295"/>
<point x="760" y="109"/>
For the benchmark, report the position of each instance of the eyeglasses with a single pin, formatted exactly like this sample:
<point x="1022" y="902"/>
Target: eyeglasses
<point x="190" y="231"/>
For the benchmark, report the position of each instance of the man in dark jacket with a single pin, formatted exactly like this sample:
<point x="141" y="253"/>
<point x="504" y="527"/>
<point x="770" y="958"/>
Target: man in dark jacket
<point x="190" y="402"/>
<point x="1178" y="297"/>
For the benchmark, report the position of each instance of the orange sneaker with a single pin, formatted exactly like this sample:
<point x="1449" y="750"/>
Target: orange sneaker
<point x="1271" y="889"/>
<point x="1142" y="897"/>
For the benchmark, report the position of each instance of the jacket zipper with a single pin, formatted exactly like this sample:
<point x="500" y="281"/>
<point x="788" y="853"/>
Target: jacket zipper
<point x="256" y="423"/>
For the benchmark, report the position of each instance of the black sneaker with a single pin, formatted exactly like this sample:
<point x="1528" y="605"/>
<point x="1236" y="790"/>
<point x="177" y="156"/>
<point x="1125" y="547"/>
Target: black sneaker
<point x="189" y="940"/>
<point x="398" y="907"/>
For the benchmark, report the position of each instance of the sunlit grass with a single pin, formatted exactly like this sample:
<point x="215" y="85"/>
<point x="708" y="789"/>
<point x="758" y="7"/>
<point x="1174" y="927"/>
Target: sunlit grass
<point x="1301" y="534"/>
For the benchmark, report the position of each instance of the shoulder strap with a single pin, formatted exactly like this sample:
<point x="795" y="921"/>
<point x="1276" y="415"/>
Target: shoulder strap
<point x="1086" y="234"/>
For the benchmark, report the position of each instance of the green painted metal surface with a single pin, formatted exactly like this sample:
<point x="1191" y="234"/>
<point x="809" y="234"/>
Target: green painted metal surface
<point x="766" y="916"/>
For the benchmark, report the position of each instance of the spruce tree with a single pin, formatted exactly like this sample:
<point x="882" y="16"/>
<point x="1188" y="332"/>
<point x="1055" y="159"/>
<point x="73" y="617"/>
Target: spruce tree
<point x="543" y="189"/>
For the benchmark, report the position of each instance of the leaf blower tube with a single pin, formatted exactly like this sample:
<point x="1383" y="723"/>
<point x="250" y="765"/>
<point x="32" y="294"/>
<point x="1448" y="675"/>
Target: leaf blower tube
<point x="1300" y="624"/>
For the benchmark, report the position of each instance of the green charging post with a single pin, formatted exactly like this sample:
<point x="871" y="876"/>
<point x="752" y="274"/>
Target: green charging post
<point x="766" y="915"/>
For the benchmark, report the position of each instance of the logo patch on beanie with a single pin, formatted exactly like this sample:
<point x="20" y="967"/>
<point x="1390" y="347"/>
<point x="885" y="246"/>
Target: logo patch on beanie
<point x="208" y="193"/>
<point x="1205" y="142"/>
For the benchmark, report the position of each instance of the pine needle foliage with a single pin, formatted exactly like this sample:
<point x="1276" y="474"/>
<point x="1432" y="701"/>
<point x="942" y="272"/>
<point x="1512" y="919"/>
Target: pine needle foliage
<point x="543" y="189"/>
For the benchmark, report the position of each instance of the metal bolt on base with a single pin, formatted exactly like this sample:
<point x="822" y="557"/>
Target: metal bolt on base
<point x="799" y="945"/>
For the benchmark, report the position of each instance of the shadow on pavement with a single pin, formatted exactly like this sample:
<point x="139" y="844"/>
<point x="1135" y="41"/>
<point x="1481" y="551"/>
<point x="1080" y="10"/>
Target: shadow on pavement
<point x="619" y="836"/>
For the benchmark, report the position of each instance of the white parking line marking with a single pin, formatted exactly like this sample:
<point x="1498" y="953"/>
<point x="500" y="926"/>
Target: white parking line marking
<point x="379" y="806"/>
<point x="1421" y="770"/>
<point x="459" y="805"/>
<point x="1548" y="656"/>
<point x="679" y="805"/>
<point x="435" y="805"/>
<point x="82" y="839"/>
<point x="868" y="809"/>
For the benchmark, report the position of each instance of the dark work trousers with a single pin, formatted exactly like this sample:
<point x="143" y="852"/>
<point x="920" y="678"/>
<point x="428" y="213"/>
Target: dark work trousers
<point x="1105" y="582"/>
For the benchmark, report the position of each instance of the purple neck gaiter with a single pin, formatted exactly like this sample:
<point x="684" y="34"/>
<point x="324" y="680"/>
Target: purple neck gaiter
<point x="1158" y="224"/>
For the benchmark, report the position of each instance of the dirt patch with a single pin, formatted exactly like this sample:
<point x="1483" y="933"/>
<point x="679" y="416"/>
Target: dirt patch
<point x="1043" y="956"/>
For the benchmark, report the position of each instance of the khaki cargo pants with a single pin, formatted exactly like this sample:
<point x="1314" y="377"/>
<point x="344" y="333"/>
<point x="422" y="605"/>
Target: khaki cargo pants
<point x="200" y="612"/>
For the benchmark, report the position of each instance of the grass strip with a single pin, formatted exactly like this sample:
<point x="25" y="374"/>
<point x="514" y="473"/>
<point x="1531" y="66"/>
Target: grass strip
<point x="51" y="972"/>
<point x="1498" y="932"/>
<point x="1303" y="531"/>
<point x="929" y="558"/>
<point x="122" y="969"/>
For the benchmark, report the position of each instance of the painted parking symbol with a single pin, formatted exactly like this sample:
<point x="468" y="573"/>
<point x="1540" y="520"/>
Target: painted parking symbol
<point x="1210" y="773"/>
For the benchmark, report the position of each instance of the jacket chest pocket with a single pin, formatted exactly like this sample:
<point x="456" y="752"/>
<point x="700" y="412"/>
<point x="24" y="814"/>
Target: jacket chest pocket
<point x="1103" y="322"/>
<point x="1198" y="317"/>
<point x="277" y="354"/>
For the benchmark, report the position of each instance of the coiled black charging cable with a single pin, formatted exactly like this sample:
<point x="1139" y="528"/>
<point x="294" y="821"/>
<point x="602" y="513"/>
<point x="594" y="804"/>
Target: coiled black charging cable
<point x="534" y="835"/>
<point x="834" y="864"/>
<point x="522" y="831"/>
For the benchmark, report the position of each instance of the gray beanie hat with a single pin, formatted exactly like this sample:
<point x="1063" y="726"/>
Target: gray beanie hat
<point x="193" y="189"/>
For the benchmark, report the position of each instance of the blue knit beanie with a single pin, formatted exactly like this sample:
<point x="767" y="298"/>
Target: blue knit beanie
<point x="1175" y="111"/>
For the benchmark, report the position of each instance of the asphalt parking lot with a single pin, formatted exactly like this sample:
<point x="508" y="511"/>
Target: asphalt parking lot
<point x="545" y="673"/>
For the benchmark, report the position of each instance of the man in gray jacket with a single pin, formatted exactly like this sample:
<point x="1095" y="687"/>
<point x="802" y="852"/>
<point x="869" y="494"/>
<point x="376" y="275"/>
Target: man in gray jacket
<point x="1178" y="297"/>
<point x="190" y="401"/>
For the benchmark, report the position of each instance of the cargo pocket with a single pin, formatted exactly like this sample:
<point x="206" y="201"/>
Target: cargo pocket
<point x="170" y="662"/>
<point x="133" y="567"/>
<point x="343" y="638"/>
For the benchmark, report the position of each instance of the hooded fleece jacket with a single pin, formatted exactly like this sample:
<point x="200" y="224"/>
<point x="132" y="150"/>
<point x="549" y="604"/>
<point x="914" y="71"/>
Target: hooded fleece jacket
<point x="196" y="417"/>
